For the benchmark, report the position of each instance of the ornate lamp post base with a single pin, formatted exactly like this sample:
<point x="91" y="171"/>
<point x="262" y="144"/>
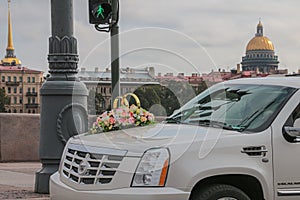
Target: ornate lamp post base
<point x="63" y="115"/>
<point x="42" y="177"/>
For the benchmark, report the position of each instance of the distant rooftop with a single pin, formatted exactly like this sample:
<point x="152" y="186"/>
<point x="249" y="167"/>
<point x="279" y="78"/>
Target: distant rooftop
<point x="17" y="68"/>
<point x="146" y="74"/>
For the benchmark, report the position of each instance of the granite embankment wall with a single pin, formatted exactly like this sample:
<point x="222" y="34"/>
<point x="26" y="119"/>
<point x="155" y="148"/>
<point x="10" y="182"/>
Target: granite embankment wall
<point x="19" y="137"/>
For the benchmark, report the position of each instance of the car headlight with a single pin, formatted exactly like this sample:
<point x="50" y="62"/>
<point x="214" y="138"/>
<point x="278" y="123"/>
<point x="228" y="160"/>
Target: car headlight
<point x="152" y="169"/>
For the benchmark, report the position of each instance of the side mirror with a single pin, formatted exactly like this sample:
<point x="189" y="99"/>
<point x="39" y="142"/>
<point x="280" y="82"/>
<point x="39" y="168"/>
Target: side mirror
<point x="294" y="131"/>
<point x="297" y="123"/>
<point x="175" y="111"/>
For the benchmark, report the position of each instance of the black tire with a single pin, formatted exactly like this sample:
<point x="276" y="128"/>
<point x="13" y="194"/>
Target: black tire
<point x="219" y="191"/>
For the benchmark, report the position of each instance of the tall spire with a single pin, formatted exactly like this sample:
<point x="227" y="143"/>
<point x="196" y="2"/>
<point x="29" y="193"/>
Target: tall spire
<point x="10" y="58"/>
<point x="10" y="45"/>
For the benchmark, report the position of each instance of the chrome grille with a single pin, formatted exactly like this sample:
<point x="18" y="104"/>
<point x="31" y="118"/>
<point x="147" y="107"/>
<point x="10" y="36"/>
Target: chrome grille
<point x="91" y="165"/>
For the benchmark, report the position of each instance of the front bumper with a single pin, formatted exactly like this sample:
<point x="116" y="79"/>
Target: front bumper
<point x="60" y="191"/>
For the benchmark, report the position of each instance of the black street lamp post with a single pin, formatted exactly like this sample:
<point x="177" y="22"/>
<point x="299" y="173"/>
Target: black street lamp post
<point x="63" y="97"/>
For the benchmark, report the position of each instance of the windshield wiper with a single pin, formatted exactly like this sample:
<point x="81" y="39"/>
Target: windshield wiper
<point x="173" y="121"/>
<point x="219" y="124"/>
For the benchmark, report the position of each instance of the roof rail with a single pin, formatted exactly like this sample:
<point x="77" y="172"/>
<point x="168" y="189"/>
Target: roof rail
<point x="292" y="75"/>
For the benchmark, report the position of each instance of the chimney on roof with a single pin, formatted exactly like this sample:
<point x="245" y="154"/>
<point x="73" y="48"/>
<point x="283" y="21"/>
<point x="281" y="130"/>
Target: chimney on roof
<point x="96" y="69"/>
<point x="238" y="68"/>
<point x="151" y="71"/>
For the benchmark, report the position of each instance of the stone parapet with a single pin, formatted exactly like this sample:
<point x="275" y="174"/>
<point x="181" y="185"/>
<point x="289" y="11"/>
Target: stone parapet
<point x="19" y="137"/>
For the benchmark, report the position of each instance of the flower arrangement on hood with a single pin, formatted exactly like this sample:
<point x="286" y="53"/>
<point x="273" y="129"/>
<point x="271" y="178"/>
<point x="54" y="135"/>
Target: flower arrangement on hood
<point x="122" y="117"/>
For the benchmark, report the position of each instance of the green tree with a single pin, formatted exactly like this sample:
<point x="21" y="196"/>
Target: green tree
<point x="4" y="100"/>
<point x="96" y="103"/>
<point x="201" y="87"/>
<point x="164" y="99"/>
<point x="152" y="95"/>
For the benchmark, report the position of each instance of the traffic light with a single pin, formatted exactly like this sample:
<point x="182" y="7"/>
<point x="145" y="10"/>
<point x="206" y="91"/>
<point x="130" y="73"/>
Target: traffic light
<point x="100" y="11"/>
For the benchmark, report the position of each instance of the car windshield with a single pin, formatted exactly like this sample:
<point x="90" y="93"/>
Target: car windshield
<point x="234" y="107"/>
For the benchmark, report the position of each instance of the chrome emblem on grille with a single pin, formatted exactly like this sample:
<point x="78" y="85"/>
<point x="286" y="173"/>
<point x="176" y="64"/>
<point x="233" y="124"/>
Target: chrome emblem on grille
<point x="84" y="165"/>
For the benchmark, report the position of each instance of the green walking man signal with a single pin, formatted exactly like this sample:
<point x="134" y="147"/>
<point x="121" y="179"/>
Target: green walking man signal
<point x="100" y="11"/>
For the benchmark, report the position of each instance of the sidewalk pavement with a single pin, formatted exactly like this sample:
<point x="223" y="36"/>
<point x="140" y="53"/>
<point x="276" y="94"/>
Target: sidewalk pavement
<point x="17" y="181"/>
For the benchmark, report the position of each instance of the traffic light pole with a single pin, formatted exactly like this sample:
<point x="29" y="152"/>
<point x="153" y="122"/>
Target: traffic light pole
<point x="104" y="14"/>
<point x="115" y="65"/>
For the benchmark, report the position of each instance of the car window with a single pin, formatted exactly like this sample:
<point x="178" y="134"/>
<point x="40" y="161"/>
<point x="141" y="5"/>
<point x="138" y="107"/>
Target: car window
<point x="237" y="107"/>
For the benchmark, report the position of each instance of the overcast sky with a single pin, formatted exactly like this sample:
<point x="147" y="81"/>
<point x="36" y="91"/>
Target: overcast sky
<point x="176" y="36"/>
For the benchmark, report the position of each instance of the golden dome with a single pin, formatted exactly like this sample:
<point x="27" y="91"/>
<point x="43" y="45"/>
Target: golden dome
<point x="260" y="43"/>
<point x="10" y="61"/>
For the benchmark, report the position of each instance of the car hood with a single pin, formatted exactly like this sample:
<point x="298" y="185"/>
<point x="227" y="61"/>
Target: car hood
<point x="135" y="141"/>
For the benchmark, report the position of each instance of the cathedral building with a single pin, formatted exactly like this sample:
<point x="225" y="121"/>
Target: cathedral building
<point x="21" y="84"/>
<point x="260" y="55"/>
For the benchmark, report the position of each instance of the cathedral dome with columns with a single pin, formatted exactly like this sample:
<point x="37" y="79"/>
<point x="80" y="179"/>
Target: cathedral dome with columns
<point x="260" y="55"/>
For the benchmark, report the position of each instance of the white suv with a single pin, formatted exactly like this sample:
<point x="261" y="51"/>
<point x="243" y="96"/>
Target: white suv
<point x="238" y="140"/>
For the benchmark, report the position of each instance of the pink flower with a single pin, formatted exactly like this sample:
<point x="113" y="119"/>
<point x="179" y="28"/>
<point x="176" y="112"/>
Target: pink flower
<point x="150" y="118"/>
<point x="122" y="117"/>
<point x="131" y="120"/>
<point x="112" y="120"/>
<point x="122" y="120"/>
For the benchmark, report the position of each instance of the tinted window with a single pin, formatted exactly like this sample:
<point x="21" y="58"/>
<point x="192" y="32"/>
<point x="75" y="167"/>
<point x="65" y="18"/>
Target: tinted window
<point x="237" y="107"/>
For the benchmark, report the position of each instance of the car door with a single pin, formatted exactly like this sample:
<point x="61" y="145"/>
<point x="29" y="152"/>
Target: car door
<point x="286" y="152"/>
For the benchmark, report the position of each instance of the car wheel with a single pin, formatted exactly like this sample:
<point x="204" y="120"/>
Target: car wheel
<point x="220" y="192"/>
